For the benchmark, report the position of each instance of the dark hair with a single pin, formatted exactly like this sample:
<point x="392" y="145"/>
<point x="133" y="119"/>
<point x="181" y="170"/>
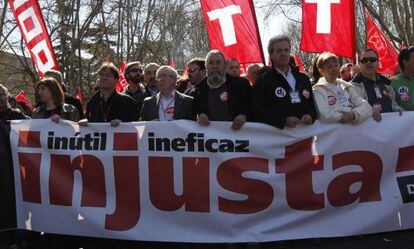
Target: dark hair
<point x="110" y="67"/>
<point x="54" y="87"/>
<point x="368" y="50"/>
<point x="200" y="62"/>
<point x="292" y="63"/>
<point x="316" y="75"/>
<point x="404" y="56"/>
<point x="345" y="66"/>
<point x="276" y="39"/>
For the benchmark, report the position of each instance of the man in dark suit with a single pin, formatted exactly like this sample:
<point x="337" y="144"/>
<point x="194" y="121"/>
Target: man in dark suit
<point x="220" y="96"/>
<point x="282" y="96"/>
<point x="168" y="104"/>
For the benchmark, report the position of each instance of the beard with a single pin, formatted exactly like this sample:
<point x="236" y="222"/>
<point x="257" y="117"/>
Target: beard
<point x="136" y="80"/>
<point x="217" y="78"/>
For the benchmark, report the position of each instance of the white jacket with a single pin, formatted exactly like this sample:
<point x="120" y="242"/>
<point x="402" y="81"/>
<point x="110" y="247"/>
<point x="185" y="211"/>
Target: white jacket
<point x="329" y="106"/>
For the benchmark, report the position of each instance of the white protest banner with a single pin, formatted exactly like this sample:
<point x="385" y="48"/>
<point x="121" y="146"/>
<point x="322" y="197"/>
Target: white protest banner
<point x="177" y="181"/>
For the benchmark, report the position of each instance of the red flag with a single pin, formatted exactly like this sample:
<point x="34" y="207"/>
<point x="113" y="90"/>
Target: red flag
<point x="388" y="55"/>
<point x="172" y="64"/>
<point x="122" y="83"/>
<point x="21" y="97"/>
<point x="299" y="63"/>
<point x="79" y="95"/>
<point x="33" y="29"/>
<point x="232" y="28"/>
<point x="328" y="26"/>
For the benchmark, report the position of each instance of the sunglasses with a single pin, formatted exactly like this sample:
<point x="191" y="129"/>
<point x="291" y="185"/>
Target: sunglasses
<point x="135" y="70"/>
<point x="368" y="59"/>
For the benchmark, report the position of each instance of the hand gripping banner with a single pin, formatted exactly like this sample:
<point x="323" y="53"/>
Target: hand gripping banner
<point x="33" y="29"/>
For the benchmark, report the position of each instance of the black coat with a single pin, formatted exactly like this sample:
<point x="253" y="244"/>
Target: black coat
<point x="272" y="102"/>
<point x="120" y="106"/>
<point x="239" y="97"/>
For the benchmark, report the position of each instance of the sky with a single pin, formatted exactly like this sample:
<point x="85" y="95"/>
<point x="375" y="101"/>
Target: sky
<point x="275" y="26"/>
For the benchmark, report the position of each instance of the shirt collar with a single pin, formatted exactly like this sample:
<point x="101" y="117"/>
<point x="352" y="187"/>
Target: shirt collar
<point x="172" y="95"/>
<point x="283" y="73"/>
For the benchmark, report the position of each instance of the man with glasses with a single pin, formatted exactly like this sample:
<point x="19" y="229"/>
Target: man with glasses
<point x="107" y="105"/>
<point x="373" y="87"/>
<point x="196" y="70"/>
<point x="403" y="83"/>
<point x="134" y="76"/>
<point x="168" y="104"/>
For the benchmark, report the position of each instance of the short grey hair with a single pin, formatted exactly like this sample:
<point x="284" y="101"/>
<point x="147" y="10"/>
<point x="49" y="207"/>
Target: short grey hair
<point x="276" y="39"/>
<point x="169" y="68"/>
<point x="6" y="91"/>
<point x="214" y="52"/>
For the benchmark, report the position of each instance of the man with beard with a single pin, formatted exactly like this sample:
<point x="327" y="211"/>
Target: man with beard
<point x="282" y="96"/>
<point x="135" y="89"/>
<point x="150" y="81"/>
<point x="221" y="97"/>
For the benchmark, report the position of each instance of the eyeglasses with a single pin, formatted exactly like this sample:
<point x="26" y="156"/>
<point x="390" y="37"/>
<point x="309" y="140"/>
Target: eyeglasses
<point x="192" y="70"/>
<point x="135" y="70"/>
<point x="368" y="59"/>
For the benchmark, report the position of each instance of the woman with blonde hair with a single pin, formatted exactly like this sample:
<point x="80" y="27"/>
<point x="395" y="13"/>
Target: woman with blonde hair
<point x="336" y="99"/>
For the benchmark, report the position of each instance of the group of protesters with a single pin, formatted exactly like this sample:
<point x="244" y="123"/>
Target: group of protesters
<point x="213" y="90"/>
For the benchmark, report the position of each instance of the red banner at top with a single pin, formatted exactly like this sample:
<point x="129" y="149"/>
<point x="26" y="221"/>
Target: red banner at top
<point x="387" y="54"/>
<point x="328" y="26"/>
<point x="232" y="28"/>
<point x="33" y="29"/>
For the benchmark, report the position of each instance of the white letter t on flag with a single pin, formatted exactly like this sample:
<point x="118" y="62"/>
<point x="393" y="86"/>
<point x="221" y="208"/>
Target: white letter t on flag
<point x="226" y="22"/>
<point x="323" y="13"/>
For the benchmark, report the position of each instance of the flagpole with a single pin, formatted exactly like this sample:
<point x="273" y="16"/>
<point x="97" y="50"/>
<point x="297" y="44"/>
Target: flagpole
<point x="258" y="32"/>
